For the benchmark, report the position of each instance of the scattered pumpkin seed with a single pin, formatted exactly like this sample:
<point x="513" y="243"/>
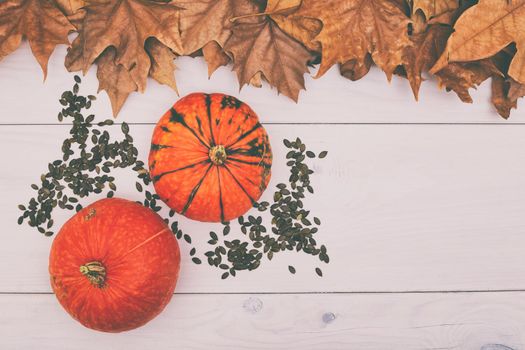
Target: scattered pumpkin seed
<point x="89" y="154"/>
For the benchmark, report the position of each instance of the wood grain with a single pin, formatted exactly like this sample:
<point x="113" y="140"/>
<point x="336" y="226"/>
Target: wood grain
<point x="330" y="99"/>
<point x="486" y="321"/>
<point x="403" y="208"/>
<point x="408" y="207"/>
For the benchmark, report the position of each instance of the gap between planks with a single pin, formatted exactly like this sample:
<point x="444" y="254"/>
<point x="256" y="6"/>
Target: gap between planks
<point x="472" y="291"/>
<point x="307" y="123"/>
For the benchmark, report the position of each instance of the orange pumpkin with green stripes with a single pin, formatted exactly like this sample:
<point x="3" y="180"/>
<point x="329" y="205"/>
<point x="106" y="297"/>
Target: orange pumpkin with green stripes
<point x="210" y="157"/>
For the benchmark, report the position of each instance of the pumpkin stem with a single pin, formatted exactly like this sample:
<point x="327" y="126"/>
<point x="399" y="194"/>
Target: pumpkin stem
<point x="95" y="272"/>
<point x="218" y="155"/>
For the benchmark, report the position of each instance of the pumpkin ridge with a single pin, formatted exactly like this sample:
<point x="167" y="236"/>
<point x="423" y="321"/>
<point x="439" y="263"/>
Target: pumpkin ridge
<point x="251" y="181"/>
<point x="207" y="100"/>
<point x="176" y="117"/>
<point x="221" y="205"/>
<point x="247" y="133"/>
<point x="159" y="176"/>
<point x="199" y="123"/>
<point x="261" y="163"/>
<point x="195" y="190"/>
<point x="233" y="131"/>
<point x="240" y="185"/>
<point x="254" y="150"/>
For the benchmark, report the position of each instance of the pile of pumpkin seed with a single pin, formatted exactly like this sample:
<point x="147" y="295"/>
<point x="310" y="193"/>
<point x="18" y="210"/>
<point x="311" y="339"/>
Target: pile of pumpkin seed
<point x="89" y="155"/>
<point x="291" y="226"/>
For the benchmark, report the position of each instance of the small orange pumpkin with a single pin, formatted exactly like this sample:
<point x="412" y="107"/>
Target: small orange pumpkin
<point x="114" y="265"/>
<point x="210" y="157"/>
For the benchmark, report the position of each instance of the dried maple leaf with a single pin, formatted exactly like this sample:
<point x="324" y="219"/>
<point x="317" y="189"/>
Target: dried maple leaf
<point x="206" y="25"/>
<point x="505" y="94"/>
<point x="429" y="39"/>
<point x="203" y="21"/>
<point x="516" y="90"/>
<point x="70" y="7"/>
<point x="301" y="28"/>
<point x="124" y="25"/>
<point x="354" y="28"/>
<point x="423" y="53"/>
<point x="257" y="80"/>
<point x="264" y="47"/>
<point x="460" y="77"/>
<point x="162" y="66"/>
<point x="215" y="56"/>
<point x="115" y="79"/>
<point x="485" y="29"/>
<point x="40" y="21"/>
<point x="434" y="8"/>
<point x="281" y="7"/>
<point x="354" y="69"/>
<point x="74" y="11"/>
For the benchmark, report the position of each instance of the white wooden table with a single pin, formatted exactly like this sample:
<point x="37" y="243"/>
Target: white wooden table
<point x="423" y="210"/>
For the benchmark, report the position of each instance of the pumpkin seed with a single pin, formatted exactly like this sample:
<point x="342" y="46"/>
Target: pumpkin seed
<point x="89" y="155"/>
<point x="125" y="128"/>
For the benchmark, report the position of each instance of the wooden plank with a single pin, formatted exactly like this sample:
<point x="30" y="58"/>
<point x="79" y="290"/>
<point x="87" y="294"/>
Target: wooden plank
<point x="403" y="208"/>
<point x="329" y="99"/>
<point x="493" y="321"/>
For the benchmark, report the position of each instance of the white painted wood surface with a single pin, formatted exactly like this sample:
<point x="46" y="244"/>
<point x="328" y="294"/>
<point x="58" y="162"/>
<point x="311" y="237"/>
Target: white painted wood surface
<point x="482" y="321"/>
<point x="411" y="212"/>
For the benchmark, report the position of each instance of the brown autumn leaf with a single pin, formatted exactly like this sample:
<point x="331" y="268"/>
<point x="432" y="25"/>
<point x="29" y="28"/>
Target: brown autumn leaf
<point x="429" y="39"/>
<point x="162" y="63"/>
<point x="114" y="78"/>
<point x="485" y="29"/>
<point x="434" y="8"/>
<point x="74" y="11"/>
<point x="124" y="25"/>
<point x="460" y="77"/>
<point x="505" y="94"/>
<point x="203" y="21"/>
<point x="215" y="56"/>
<point x="423" y="53"/>
<point x="263" y="47"/>
<point x="354" y="28"/>
<point x="516" y="90"/>
<point x="301" y="28"/>
<point x="40" y="21"/>
<point x="207" y="24"/>
<point x="257" y="80"/>
<point x="354" y="69"/>
<point x="70" y="7"/>
<point x="281" y="7"/>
